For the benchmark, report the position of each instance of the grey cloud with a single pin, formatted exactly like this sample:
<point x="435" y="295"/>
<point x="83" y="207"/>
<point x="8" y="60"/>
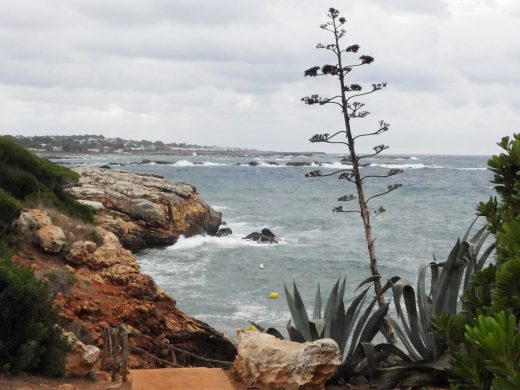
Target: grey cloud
<point x="231" y="72"/>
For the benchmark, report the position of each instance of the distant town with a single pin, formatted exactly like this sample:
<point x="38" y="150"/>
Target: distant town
<point x="98" y="144"/>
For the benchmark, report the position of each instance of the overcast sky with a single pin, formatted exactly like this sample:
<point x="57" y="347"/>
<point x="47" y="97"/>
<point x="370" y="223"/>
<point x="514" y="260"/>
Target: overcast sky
<point x="230" y="72"/>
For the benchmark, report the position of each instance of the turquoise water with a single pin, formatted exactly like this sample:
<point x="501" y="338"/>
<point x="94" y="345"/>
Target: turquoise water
<point x="218" y="280"/>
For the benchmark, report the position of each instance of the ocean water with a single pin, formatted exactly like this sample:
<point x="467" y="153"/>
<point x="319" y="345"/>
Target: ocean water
<point x="219" y="280"/>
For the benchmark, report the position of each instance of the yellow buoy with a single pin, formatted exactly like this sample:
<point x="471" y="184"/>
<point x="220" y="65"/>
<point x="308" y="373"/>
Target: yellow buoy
<point x="274" y="295"/>
<point x="251" y="328"/>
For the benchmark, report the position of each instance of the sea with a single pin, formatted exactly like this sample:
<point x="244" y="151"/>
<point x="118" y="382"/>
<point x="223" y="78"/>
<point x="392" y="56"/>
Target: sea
<point x="228" y="281"/>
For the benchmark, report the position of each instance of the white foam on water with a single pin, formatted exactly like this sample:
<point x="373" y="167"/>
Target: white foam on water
<point x="471" y="169"/>
<point x="232" y="241"/>
<point x="407" y="166"/>
<point x="335" y="165"/>
<point x="183" y="163"/>
<point x="219" y="208"/>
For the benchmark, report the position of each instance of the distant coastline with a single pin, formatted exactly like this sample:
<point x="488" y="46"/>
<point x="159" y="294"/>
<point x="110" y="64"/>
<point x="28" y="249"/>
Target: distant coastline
<point x="49" y="146"/>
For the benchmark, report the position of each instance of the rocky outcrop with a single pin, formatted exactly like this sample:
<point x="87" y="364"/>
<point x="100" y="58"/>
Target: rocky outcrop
<point x="144" y="210"/>
<point x="105" y="287"/>
<point x="268" y="363"/>
<point x="224" y="232"/>
<point x="264" y="237"/>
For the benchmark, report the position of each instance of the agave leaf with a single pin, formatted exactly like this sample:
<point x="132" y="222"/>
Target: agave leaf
<point x="403" y="289"/>
<point x="435" y="280"/>
<point x="315" y="335"/>
<point x="402" y="336"/>
<point x="481" y="242"/>
<point x="392" y="349"/>
<point x="423" y="302"/>
<point x="341" y="291"/>
<point x="373" y="325"/>
<point x="465" y="236"/>
<point x="477" y="236"/>
<point x="389" y="283"/>
<point x="359" y="327"/>
<point x="274" y="332"/>
<point x="316" y="315"/>
<point x="319" y="324"/>
<point x="370" y="354"/>
<point x="368" y="280"/>
<point x="351" y="317"/>
<point x="258" y="327"/>
<point x="448" y="284"/>
<point x="329" y="310"/>
<point x="338" y="322"/>
<point x="294" y="334"/>
<point x="484" y="257"/>
<point x="298" y="313"/>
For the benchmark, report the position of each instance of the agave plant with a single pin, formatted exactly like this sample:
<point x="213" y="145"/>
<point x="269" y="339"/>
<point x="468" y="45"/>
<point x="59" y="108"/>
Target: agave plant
<point x="449" y="280"/>
<point x="357" y="324"/>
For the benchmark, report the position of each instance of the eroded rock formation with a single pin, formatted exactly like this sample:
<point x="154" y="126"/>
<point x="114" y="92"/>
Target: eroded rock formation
<point x="98" y="283"/>
<point x="267" y="363"/>
<point x="144" y="210"/>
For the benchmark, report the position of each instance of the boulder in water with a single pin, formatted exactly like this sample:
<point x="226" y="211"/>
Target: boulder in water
<point x="224" y="232"/>
<point x="264" y="237"/>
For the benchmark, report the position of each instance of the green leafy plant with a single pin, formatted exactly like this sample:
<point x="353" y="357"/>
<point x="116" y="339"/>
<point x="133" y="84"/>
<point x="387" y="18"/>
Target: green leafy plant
<point x="494" y="342"/>
<point x="29" y="337"/>
<point x="28" y="178"/>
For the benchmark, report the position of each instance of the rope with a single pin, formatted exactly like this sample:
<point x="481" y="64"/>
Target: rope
<point x="208" y="360"/>
<point x="156" y="358"/>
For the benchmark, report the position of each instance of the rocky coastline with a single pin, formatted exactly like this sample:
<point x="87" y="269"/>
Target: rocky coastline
<point x="97" y="279"/>
<point x="144" y="210"/>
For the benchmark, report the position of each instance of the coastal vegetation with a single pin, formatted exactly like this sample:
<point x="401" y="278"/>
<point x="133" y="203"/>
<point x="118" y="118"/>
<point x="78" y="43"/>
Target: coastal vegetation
<point x="463" y="332"/>
<point x="29" y="337"/>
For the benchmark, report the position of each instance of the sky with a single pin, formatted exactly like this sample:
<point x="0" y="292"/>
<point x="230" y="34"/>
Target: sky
<point x="230" y="72"/>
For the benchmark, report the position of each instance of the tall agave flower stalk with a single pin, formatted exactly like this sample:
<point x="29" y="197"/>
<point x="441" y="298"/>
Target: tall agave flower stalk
<point x="346" y="99"/>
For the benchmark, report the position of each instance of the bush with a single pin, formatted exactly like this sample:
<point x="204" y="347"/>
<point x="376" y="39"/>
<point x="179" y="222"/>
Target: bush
<point x="10" y="209"/>
<point x="27" y="177"/>
<point x="494" y="344"/>
<point x="29" y="338"/>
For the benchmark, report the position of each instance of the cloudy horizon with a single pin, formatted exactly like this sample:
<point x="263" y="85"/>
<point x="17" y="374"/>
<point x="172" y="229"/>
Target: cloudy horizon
<point x="230" y="73"/>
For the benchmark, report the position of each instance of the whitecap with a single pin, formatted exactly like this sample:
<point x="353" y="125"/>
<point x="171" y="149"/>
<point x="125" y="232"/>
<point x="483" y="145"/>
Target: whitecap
<point x="233" y="241"/>
<point x="335" y="165"/>
<point x="471" y="169"/>
<point x="218" y="208"/>
<point x="406" y="166"/>
<point x="183" y="163"/>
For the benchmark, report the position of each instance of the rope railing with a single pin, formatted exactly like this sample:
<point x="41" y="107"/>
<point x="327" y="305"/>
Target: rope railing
<point x="116" y="347"/>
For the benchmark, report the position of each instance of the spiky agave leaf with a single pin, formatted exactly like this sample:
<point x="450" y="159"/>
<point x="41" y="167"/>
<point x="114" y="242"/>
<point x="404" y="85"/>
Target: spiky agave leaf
<point x="298" y="313"/>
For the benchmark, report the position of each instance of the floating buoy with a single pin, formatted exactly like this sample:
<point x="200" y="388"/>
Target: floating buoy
<point x="261" y="266"/>
<point x="274" y="295"/>
<point x="252" y="328"/>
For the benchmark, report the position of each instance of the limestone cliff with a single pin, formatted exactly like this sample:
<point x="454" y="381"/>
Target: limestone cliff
<point x="98" y="283"/>
<point x="144" y="210"/>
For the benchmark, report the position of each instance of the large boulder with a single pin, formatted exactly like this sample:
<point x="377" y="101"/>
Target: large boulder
<point x="31" y="220"/>
<point x="50" y="238"/>
<point x="268" y="363"/>
<point x="144" y="210"/>
<point x="81" y="358"/>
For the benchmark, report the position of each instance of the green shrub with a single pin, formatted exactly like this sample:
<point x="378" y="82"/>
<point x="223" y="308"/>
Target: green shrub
<point x="29" y="178"/>
<point x="10" y="209"/>
<point x="60" y="280"/>
<point x="29" y="339"/>
<point x="490" y="356"/>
